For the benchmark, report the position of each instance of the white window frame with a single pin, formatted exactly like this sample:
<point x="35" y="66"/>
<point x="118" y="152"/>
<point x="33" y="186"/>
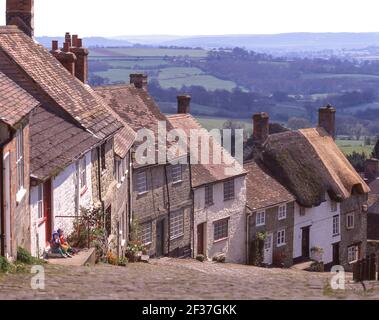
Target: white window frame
<point x="40" y="213"/>
<point x="146" y="233"/>
<point x="352" y="253"/>
<point x="281" y="238"/>
<point x="282" y="212"/>
<point x="229" y="191"/>
<point x="83" y="173"/>
<point x="260" y="218"/>
<point x="350" y="221"/>
<point x="220" y="227"/>
<point x="176" y="173"/>
<point x="20" y="173"/>
<point x="141" y="182"/>
<point x="176" y="224"/>
<point x="336" y="226"/>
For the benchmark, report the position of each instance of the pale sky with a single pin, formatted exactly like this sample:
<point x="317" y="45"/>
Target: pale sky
<point x="201" y="17"/>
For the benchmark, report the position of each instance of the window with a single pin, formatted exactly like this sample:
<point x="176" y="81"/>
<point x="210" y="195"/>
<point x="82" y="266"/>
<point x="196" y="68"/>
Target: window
<point x="281" y="239"/>
<point x="83" y="172"/>
<point x="261" y="218"/>
<point x="145" y="234"/>
<point x="229" y="190"/>
<point x="141" y="182"/>
<point x="282" y="212"/>
<point x="119" y="173"/>
<point x="333" y="206"/>
<point x="20" y="159"/>
<point x="176" y="173"/>
<point x="208" y="195"/>
<point x="350" y="221"/>
<point x="302" y="211"/>
<point x="336" y="225"/>
<point x="40" y="201"/>
<point x="352" y="253"/>
<point x="176" y="224"/>
<point x="221" y="229"/>
<point x="102" y="157"/>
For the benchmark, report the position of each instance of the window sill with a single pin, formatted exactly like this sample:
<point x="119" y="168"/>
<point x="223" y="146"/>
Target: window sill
<point x="350" y="228"/>
<point x="283" y="218"/>
<point x="41" y="221"/>
<point x="281" y="245"/>
<point x="208" y="205"/>
<point x="20" y="195"/>
<point x="221" y="240"/>
<point x="230" y="199"/>
<point x="140" y="194"/>
<point x="336" y="235"/>
<point x="260" y="225"/>
<point x="122" y="179"/>
<point x="177" y="182"/>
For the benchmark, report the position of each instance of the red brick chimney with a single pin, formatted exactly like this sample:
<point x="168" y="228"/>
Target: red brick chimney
<point x="139" y="80"/>
<point x="65" y="56"/>
<point x="21" y="14"/>
<point x="261" y="127"/>
<point x="81" y="65"/>
<point x="327" y="119"/>
<point x="184" y="104"/>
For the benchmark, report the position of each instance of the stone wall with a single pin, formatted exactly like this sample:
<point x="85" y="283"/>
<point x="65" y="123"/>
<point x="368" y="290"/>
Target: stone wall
<point x="280" y="254"/>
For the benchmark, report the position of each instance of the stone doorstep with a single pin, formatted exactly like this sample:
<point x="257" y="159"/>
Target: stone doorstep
<point x="84" y="257"/>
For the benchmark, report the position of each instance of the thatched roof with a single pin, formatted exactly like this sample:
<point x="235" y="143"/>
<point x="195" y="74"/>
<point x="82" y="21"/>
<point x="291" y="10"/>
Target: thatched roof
<point x="309" y="164"/>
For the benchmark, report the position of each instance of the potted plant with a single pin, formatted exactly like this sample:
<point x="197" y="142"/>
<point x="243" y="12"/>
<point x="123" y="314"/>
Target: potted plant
<point x="317" y="253"/>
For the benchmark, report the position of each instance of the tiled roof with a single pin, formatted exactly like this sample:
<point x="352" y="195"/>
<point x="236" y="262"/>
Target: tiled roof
<point x="134" y="106"/>
<point x="207" y="173"/>
<point x="309" y="164"/>
<point x="32" y="67"/>
<point x="262" y="190"/>
<point x="55" y="143"/>
<point x="15" y="103"/>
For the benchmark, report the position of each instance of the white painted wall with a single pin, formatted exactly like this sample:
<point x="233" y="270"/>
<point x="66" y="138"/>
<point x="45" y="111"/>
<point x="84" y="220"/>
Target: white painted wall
<point x="235" y="246"/>
<point x="65" y="191"/>
<point x="320" y="220"/>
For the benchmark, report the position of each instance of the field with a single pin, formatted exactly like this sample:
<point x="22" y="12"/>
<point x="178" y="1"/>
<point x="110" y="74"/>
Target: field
<point x="349" y="146"/>
<point x="146" y="52"/>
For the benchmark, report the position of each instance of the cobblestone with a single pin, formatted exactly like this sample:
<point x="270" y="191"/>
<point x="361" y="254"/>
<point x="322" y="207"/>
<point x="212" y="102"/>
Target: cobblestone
<point x="179" y="279"/>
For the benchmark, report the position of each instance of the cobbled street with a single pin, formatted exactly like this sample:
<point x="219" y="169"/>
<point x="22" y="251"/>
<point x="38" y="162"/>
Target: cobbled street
<point x="180" y="279"/>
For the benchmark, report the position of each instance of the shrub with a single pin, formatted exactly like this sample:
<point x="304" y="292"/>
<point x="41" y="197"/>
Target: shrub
<point x="200" y="257"/>
<point x="5" y="266"/>
<point x="23" y="256"/>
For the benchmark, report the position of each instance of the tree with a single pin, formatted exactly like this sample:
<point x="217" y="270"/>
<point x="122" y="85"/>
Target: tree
<point x="298" y="123"/>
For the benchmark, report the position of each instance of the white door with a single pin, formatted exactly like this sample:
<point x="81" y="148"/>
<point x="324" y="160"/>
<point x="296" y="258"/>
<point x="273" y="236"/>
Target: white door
<point x="7" y="203"/>
<point x="268" y="249"/>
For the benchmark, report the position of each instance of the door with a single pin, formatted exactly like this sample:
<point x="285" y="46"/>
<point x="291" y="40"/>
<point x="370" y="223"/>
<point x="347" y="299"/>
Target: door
<point x="200" y="239"/>
<point x="305" y="242"/>
<point x="336" y="254"/>
<point x="47" y="211"/>
<point x="160" y="238"/>
<point x="268" y="249"/>
<point x="7" y="205"/>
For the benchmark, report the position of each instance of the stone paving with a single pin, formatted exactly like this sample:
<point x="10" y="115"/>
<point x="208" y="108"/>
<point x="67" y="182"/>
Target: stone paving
<point x="179" y="279"/>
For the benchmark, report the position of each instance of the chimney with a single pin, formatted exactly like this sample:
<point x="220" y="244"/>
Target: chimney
<point x="327" y="119"/>
<point x="261" y="127"/>
<point x="139" y="80"/>
<point x="21" y="14"/>
<point x="371" y="169"/>
<point x="81" y="65"/>
<point x="184" y="103"/>
<point x="65" y="57"/>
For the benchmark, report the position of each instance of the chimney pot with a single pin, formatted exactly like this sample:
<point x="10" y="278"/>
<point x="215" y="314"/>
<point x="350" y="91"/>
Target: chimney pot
<point x="66" y="47"/>
<point x="371" y="169"/>
<point x="184" y="104"/>
<point x="139" y="80"/>
<point x="261" y="127"/>
<point x="79" y="43"/>
<point x="54" y="45"/>
<point x="75" y="40"/>
<point x="68" y="38"/>
<point x="21" y="14"/>
<point x="327" y="119"/>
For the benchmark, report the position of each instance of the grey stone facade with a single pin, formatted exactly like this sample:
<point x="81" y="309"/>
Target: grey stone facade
<point x="163" y="197"/>
<point x="356" y="235"/>
<point x="281" y="255"/>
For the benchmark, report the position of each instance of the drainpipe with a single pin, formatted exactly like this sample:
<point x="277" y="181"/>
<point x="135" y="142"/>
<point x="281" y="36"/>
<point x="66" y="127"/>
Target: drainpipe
<point x="99" y="182"/>
<point x="130" y="193"/>
<point x="248" y="232"/>
<point x="168" y="210"/>
<point x="193" y="205"/>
